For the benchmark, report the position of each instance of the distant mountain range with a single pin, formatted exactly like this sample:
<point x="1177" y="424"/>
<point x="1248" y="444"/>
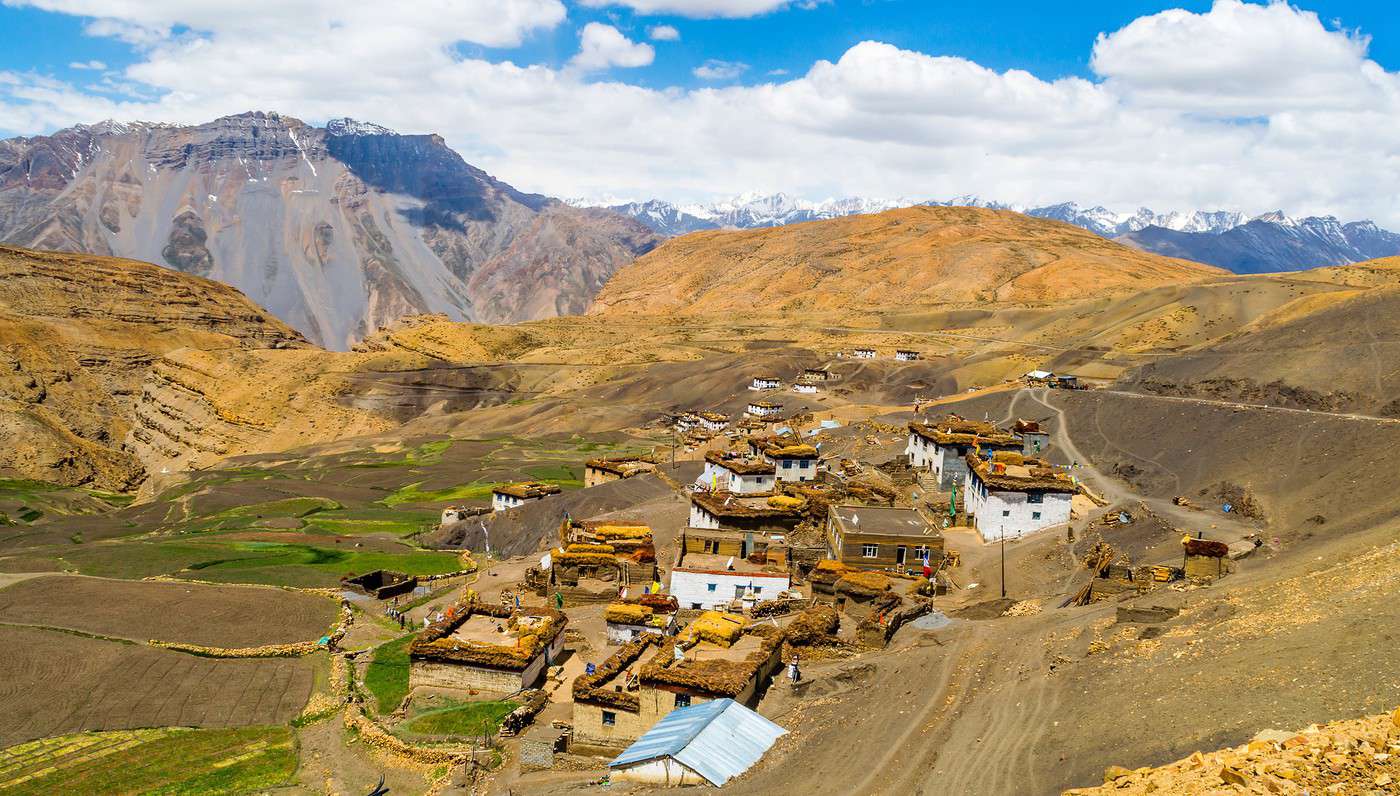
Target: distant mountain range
<point x="1270" y="242"/>
<point x="336" y="230"/>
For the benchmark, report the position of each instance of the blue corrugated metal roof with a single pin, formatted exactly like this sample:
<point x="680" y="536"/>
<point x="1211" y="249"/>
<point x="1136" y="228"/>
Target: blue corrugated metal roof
<point x="718" y="740"/>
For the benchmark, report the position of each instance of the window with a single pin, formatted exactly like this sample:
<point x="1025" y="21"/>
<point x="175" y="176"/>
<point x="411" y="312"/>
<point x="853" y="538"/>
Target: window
<point x="870" y="550"/>
<point x="682" y="700"/>
<point x="711" y="586"/>
<point x="609" y="718"/>
<point x="1035" y="515"/>
<point x="787" y="464"/>
<point x="921" y="552"/>
<point x="1006" y="512"/>
<point x="697" y="606"/>
<point x="738" y="592"/>
<point x="1035" y="497"/>
<point x="758" y="590"/>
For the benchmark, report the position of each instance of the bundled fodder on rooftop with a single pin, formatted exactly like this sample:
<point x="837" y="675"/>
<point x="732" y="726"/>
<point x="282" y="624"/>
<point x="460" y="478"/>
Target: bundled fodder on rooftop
<point x="581" y="559"/>
<point x="813" y="626"/>
<point x="534" y="631"/>
<point x="717" y="628"/>
<point x="863" y="585"/>
<point x="611" y="533"/>
<point x="712" y="676"/>
<point x="1009" y="457"/>
<point x="786" y="502"/>
<point x="644" y="554"/>
<point x="780" y="607"/>
<point x="627" y="613"/>
<point x="594" y="689"/>
<point x="579" y="547"/>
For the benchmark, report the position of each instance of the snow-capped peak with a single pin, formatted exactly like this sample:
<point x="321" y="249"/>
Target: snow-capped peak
<point x="348" y="126"/>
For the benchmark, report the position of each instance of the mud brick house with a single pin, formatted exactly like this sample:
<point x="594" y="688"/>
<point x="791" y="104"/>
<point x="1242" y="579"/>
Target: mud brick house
<point x="1012" y="495"/>
<point x="1204" y="559"/>
<point x="764" y="410"/>
<point x="685" y="421"/>
<point x="727" y="472"/>
<point x="905" y="355"/>
<point x="816" y="375"/>
<point x="713" y="569"/>
<point x="480" y="647"/>
<point x="509" y="496"/>
<point x="603" y="471"/>
<point x="717" y="656"/>
<point x="595" y="559"/>
<point x="882" y="538"/>
<point x="793" y="462"/>
<point x="607" y="703"/>
<point x="760" y="383"/>
<point x="1034" y="439"/>
<point x="805" y="388"/>
<point x="725" y="511"/>
<point x="864" y="353"/>
<point x="942" y="447"/>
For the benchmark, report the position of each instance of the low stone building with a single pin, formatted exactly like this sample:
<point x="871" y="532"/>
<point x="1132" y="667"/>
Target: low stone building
<point x="1034" y="439"/>
<point x="481" y="647"/>
<point x="603" y="471"/>
<point x="728" y="472"/>
<point x="906" y="355"/>
<point x="941" y="447"/>
<point x="508" y="496"/>
<point x="649" y="614"/>
<point x="1012" y="495"/>
<point x="816" y="375"/>
<point x="882" y="538"/>
<point x="1204" y="559"/>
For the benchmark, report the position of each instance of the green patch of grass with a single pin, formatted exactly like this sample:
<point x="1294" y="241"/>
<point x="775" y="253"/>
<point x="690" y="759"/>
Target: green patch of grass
<point x="387" y="674"/>
<point x="411" y="493"/>
<point x="460" y="719"/>
<point x="114" y="499"/>
<point x="371" y="520"/>
<point x="27" y="514"/>
<point x="425" y="454"/>
<point x="214" y="478"/>
<point x="287" y="507"/>
<point x="169" y="762"/>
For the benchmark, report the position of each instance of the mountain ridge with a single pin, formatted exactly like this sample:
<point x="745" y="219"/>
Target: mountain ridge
<point x="337" y="229"/>
<point x="1283" y="243"/>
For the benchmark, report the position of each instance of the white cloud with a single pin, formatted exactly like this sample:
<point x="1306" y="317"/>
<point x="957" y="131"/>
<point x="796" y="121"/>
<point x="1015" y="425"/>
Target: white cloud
<point x="702" y="9"/>
<point x="664" y="33"/>
<point x="93" y="64"/>
<point x="602" y="46"/>
<point x="1186" y="111"/>
<point x="714" y="69"/>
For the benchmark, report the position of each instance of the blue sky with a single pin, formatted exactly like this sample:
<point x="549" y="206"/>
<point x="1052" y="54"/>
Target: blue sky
<point x="1249" y="106"/>
<point x="1049" y="40"/>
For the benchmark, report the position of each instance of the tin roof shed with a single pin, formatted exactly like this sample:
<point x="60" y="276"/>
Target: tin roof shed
<point x="717" y="740"/>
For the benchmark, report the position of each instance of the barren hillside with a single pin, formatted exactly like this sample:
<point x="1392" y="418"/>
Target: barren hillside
<point x="918" y="256"/>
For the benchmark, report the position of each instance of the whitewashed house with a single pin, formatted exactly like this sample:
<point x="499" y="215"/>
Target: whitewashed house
<point x="509" y="496"/>
<point x="793" y="462"/>
<point x="740" y="476"/>
<point x="941" y="447"/>
<point x="713" y="421"/>
<point x="805" y="389"/>
<point x="905" y="355"/>
<point x="764" y="409"/>
<point x="864" y="353"/>
<point x="766" y="383"/>
<point x="1012" y="495"/>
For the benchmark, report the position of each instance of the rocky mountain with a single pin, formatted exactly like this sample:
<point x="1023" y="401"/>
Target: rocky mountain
<point x="1272" y="242"/>
<point x="336" y="230"/>
<point x="895" y="261"/>
<point x="1267" y="243"/>
<point x="79" y="338"/>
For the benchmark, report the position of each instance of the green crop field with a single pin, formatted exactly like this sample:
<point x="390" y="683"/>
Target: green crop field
<point x="387" y="674"/>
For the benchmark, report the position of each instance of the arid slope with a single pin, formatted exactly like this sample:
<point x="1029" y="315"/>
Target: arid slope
<point x="918" y="256"/>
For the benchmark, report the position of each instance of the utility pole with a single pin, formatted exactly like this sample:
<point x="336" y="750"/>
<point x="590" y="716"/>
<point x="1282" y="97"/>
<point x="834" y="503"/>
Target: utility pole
<point x="1003" y="562"/>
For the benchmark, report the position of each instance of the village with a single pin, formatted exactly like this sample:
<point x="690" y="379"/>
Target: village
<point x="641" y="640"/>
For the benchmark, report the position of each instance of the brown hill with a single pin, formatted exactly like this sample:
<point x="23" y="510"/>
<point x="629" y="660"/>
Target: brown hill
<point x="79" y="335"/>
<point x="917" y="256"/>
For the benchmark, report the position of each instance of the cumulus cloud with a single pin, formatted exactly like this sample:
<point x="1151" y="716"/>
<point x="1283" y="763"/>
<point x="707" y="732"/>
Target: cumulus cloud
<point x="1184" y="110"/>
<point x="602" y="46"/>
<point x="664" y="33"/>
<point x="714" y="69"/>
<point x="701" y="9"/>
